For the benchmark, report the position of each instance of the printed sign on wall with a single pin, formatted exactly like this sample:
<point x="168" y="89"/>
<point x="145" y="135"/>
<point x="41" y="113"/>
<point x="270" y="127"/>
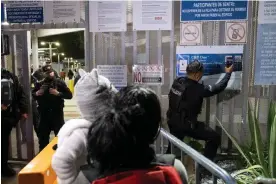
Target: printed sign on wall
<point x="191" y="33"/>
<point x="24" y="11"/>
<point x="235" y="32"/>
<point x="62" y="11"/>
<point x="152" y="15"/>
<point x="117" y="74"/>
<point x="214" y="60"/>
<point x="107" y="16"/>
<point x="213" y="10"/>
<point x="152" y="75"/>
<point x="265" y="62"/>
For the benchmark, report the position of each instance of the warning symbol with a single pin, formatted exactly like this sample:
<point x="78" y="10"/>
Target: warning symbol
<point x="236" y="32"/>
<point x="190" y="33"/>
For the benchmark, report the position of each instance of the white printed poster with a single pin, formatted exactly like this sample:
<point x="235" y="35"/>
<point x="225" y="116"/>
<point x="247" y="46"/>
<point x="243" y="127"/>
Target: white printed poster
<point x="152" y="15"/>
<point x="117" y="74"/>
<point x="62" y="11"/>
<point x="266" y="13"/>
<point x="152" y="75"/>
<point x="108" y="16"/>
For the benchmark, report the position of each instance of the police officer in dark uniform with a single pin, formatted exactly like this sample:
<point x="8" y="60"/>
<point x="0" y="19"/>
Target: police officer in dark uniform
<point x="185" y="103"/>
<point x="50" y="95"/>
<point x="38" y="75"/>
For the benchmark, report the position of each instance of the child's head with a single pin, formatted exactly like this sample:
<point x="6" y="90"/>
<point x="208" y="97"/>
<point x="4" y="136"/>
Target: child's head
<point x="121" y="135"/>
<point x="88" y="87"/>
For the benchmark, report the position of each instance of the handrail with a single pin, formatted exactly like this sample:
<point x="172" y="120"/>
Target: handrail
<point x="200" y="159"/>
<point x="261" y="180"/>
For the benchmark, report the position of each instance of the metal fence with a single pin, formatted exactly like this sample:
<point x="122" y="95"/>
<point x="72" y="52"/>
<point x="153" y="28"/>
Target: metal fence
<point x="199" y="159"/>
<point x="158" y="47"/>
<point x="22" y="139"/>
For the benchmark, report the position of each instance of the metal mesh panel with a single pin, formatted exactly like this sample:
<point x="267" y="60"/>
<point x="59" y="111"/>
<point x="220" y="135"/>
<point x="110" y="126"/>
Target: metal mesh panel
<point x="142" y="46"/>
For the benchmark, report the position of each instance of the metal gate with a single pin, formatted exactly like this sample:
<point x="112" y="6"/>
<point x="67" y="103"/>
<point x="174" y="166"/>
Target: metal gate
<point x="158" y="47"/>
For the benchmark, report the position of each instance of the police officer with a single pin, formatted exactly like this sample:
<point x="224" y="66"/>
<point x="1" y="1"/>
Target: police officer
<point x="37" y="75"/>
<point x="185" y="103"/>
<point x="13" y="107"/>
<point x="50" y="95"/>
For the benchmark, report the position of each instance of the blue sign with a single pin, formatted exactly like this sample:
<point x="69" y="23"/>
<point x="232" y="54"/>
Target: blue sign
<point x="214" y="60"/>
<point x="265" y="63"/>
<point x="213" y="63"/>
<point x="25" y="11"/>
<point x="2" y="13"/>
<point x="194" y="10"/>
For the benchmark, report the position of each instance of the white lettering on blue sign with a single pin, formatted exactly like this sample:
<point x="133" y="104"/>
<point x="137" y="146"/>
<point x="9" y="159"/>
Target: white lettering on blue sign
<point x="24" y="11"/>
<point x="213" y="10"/>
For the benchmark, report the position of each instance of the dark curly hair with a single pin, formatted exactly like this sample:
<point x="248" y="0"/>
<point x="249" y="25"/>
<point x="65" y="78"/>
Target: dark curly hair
<point x="123" y="131"/>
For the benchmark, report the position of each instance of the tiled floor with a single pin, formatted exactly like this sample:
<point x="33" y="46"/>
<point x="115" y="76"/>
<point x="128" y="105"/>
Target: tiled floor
<point x="70" y="111"/>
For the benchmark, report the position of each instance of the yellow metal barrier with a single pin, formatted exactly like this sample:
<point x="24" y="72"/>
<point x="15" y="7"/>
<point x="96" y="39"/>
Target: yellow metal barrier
<point x="39" y="170"/>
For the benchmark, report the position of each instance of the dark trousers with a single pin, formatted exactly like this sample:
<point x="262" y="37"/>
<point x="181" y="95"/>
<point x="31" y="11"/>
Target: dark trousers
<point x="200" y="132"/>
<point x="50" y="120"/>
<point x="6" y="129"/>
<point x="35" y="117"/>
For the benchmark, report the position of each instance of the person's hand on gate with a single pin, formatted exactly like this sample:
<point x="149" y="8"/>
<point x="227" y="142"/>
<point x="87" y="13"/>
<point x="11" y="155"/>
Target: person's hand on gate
<point x="53" y="91"/>
<point x="25" y="115"/>
<point x="39" y="92"/>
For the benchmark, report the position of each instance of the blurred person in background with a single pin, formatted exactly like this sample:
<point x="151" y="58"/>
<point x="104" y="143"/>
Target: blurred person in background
<point x="70" y="74"/>
<point x="77" y="77"/>
<point x="62" y="74"/>
<point x="38" y="74"/>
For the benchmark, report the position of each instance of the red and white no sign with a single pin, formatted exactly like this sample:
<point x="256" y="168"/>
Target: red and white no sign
<point x="137" y="77"/>
<point x="151" y="75"/>
<point x="190" y="33"/>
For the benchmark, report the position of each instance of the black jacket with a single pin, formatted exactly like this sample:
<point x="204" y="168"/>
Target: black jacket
<point x="19" y="105"/>
<point x="77" y="79"/>
<point x="192" y="98"/>
<point x="49" y="101"/>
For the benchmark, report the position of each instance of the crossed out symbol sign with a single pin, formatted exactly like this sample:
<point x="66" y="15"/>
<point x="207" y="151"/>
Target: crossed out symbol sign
<point x="236" y="32"/>
<point x="190" y="32"/>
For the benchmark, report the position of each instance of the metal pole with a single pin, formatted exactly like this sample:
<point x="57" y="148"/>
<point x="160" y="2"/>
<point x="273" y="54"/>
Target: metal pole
<point x="172" y="52"/>
<point x="86" y="38"/>
<point x="14" y="54"/>
<point x="110" y="58"/>
<point x="123" y="49"/>
<point x="50" y="50"/>
<point x="93" y="50"/>
<point x="58" y="63"/>
<point x="26" y="87"/>
<point x="68" y="64"/>
<point x="34" y="39"/>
